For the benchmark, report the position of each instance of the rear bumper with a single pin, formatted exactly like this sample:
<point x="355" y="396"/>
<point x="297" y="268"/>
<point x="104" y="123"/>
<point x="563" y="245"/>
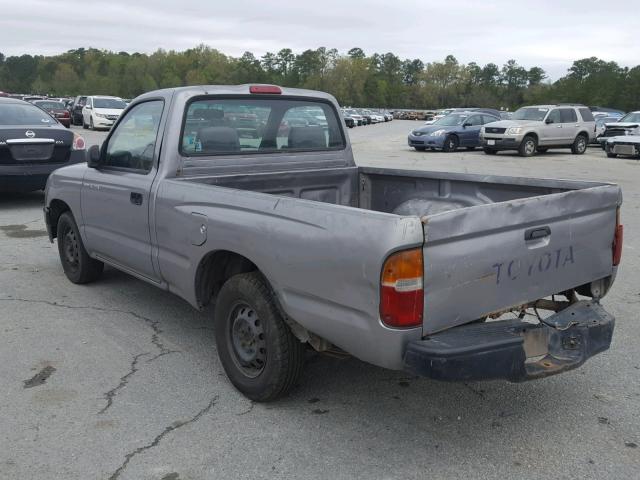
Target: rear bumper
<point x="512" y="349"/>
<point x="33" y="176"/>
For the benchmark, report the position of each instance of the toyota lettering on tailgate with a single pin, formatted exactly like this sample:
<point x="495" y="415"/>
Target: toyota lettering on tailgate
<point x="518" y="268"/>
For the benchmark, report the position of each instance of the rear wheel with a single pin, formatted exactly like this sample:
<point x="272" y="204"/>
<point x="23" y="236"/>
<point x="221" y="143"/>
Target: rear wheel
<point x="450" y="143"/>
<point x="258" y="351"/>
<point x="528" y="146"/>
<point x="489" y="151"/>
<point x="579" y="145"/>
<point x="78" y="266"/>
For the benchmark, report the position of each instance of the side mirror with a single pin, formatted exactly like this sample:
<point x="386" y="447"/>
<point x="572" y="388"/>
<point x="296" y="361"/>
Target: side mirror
<point x="93" y="156"/>
<point x="88" y="107"/>
<point x="465" y="125"/>
<point x="548" y="121"/>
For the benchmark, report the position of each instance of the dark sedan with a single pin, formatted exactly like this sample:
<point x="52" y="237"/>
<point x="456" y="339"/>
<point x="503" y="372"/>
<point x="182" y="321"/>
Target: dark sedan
<point x="32" y="145"/>
<point x="57" y="110"/>
<point x="460" y="129"/>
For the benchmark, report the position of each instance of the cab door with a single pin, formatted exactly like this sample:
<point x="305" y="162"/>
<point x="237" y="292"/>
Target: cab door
<point x="115" y="195"/>
<point x="552" y="129"/>
<point x="570" y="126"/>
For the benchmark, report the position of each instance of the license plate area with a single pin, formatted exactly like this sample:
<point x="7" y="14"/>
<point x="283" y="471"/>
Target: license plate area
<point x="491" y="142"/>
<point x="32" y="152"/>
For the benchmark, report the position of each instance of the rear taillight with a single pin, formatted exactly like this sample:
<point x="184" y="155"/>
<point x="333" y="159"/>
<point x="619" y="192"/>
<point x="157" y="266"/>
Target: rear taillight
<point x="78" y="142"/>
<point x="272" y="89"/>
<point x="617" y="240"/>
<point x="401" y="292"/>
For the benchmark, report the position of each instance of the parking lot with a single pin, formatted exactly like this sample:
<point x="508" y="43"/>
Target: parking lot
<point x="120" y="380"/>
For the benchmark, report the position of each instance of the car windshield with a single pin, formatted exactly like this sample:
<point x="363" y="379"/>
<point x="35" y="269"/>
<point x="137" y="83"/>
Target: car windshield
<point x="50" y="105"/>
<point x="451" y="120"/>
<point x="530" y="113"/>
<point x="21" y="114"/>
<point x="600" y="121"/>
<point x="631" y="117"/>
<point x="109" y="103"/>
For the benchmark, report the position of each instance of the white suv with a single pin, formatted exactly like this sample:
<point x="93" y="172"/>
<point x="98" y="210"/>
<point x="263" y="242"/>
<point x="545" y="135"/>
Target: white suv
<point x="540" y="127"/>
<point x="102" y="111"/>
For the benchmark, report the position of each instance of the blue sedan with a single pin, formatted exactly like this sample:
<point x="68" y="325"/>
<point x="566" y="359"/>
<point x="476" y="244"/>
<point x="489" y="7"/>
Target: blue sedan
<point x="460" y="129"/>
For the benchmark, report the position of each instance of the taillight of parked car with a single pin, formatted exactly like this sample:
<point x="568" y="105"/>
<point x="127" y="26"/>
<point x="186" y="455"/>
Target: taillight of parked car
<point x="401" y="292"/>
<point x="78" y="142"/>
<point x="617" y="240"/>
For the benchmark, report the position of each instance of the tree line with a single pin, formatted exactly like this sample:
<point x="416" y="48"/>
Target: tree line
<point x="355" y="79"/>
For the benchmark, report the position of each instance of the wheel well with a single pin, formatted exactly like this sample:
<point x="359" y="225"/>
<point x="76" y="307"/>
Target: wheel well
<point x="56" y="208"/>
<point x="215" y="269"/>
<point x="531" y="134"/>
<point x="584" y="134"/>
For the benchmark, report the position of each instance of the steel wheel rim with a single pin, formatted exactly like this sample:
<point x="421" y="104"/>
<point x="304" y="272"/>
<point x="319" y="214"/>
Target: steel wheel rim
<point x="71" y="249"/>
<point x="247" y="342"/>
<point x="529" y="147"/>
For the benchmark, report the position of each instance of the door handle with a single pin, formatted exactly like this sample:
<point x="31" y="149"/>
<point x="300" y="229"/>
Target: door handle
<point x="536" y="233"/>
<point x="136" y="198"/>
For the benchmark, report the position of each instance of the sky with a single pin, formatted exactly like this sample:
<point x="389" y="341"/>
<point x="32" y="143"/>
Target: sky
<point x="544" y="33"/>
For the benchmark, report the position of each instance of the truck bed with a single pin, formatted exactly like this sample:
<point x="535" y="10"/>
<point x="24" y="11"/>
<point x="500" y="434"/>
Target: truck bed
<point x="477" y="260"/>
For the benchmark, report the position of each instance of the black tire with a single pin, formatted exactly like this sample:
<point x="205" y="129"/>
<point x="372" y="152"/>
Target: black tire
<point x="78" y="266"/>
<point x="489" y="151"/>
<point x="420" y="149"/>
<point x="451" y="143"/>
<point x="542" y="149"/>
<point x="259" y="353"/>
<point x="84" y="125"/>
<point x="612" y="155"/>
<point x="580" y="144"/>
<point x="471" y="149"/>
<point x="91" y="127"/>
<point x="528" y="146"/>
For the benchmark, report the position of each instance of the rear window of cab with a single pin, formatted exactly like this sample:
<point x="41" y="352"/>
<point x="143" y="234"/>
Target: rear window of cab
<point x="225" y="126"/>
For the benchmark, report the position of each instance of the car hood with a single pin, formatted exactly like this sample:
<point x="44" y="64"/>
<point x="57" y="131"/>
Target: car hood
<point x="109" y="111"/>
<point x="514" y="123"/>
<point x="432" y="128"/>
<point x="622" y="124"/>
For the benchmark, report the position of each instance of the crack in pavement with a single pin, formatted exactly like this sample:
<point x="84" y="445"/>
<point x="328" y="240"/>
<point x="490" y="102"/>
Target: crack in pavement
<point x="109" y="396"/>
<point x="155" y="339"/>
<point x="248" y="410"/>
<point x="174" y="426"/>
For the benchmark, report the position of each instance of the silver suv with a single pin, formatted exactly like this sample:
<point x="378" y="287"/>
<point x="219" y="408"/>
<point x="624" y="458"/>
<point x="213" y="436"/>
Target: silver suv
<point x="540" y="127"/>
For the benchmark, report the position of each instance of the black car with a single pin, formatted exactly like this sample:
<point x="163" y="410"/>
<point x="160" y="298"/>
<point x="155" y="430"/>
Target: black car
<point x="32" y="145"/>
<point x="76" y="109"/>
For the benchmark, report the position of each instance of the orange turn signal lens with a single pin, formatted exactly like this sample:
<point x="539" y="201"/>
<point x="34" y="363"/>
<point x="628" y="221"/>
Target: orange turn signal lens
<point x="402" y="293"/>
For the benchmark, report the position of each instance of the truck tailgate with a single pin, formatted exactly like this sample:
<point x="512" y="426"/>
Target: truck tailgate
<point x="486" y="258"/>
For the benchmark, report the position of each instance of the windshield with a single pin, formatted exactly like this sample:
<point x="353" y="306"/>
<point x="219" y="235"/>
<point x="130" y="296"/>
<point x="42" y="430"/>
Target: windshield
<point x="530" y="113"/>
<point x="451" y="120"/>
<point x="109" y="103"/>
<point x="50" y="105"/>
<point x="20" y="114"/>
<point x="600" y="121"/>
<point x="631" y="117"/>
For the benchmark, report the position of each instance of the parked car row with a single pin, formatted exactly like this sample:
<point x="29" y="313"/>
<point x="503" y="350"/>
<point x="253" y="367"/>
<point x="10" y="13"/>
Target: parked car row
<point x="355" y="117"/>
<point x="530" y="130"/>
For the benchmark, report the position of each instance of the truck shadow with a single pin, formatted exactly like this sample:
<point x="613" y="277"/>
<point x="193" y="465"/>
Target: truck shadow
<point x="16" y="201"/>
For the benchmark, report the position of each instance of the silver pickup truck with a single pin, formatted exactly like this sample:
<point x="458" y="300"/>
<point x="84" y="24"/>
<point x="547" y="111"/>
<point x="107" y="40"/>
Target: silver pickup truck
<point x="248" y="197"/>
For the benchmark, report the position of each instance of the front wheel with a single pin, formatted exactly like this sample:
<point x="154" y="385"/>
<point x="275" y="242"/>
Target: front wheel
<point x="259" y="353"/>
<point x="579" y="145"/>
<point x="420" y="149"/>
<point x="91" y="127"/>
<point x="528" y="146"/>
<point x="78" y="266"/>
<point x="450" y="144"/>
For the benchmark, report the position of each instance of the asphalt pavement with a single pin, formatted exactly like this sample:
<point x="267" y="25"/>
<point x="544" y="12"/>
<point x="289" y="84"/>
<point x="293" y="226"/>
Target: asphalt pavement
<point x="119" y="380"/>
